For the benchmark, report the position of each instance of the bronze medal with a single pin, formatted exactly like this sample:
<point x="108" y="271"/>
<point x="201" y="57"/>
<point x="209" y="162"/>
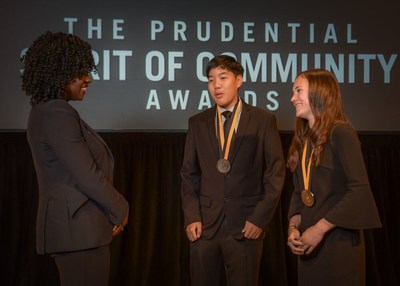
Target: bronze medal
<point x="223" y="166"/>
<point x="307" y="198"/>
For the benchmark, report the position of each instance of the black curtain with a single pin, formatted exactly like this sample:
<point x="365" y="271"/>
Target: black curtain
<point x="153" y="249"/>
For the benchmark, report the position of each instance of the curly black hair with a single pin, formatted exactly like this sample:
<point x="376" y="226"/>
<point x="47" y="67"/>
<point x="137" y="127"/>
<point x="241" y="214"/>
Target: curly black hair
<point x="53" y="60"/>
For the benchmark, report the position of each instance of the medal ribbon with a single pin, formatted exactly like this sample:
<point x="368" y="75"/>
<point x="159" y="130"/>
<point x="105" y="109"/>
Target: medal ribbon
<point x="231" y="130"/>
<point x="306" y="173"/>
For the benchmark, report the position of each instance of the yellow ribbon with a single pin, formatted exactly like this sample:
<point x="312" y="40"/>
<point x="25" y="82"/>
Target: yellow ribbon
<point x="231" y="130"/>
<point x="306" y="173"/>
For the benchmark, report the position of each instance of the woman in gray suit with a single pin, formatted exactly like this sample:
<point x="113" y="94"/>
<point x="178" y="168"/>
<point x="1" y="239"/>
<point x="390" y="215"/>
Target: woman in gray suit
<point x="79" y="210"/>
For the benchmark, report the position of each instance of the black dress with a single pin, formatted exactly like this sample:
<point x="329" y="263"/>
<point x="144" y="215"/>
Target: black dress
<point x="343" y="197"/>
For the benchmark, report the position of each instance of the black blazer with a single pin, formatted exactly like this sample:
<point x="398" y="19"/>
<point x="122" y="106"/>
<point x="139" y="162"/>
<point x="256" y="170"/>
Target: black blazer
<point x="250" y="191"/>
<point x="78" y="205"/>
<point x="340" y="185"/>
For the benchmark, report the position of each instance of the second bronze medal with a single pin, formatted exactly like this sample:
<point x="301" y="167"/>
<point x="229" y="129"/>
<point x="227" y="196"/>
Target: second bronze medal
<point x="308" y="198"/>
<point x="306" y="195"/>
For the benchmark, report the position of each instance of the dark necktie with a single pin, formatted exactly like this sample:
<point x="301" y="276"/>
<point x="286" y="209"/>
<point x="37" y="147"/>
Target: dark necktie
<point x="227" y="123"/>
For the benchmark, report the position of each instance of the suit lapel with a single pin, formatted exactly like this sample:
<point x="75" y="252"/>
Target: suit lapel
<point x="241" y="130"/>
<point x="211" y="131"/>
<point x="86" y="128"/>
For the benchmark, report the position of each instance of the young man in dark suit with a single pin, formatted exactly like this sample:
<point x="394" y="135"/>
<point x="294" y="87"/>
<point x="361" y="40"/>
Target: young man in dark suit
<point x="231" y="183"/>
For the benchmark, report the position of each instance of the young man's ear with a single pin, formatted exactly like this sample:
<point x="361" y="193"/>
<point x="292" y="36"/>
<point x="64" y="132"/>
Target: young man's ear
<point x="239" y="81"/>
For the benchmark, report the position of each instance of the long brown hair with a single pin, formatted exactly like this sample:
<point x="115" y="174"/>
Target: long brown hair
<point x="326" y="105"/>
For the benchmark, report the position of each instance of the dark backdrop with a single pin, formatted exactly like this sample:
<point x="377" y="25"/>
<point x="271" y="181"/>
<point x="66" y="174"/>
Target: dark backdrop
<point x="153" y="249"/>
<point x="357" y="40"/>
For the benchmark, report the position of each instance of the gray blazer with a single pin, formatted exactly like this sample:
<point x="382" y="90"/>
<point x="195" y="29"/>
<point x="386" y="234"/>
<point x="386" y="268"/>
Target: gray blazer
<point x="78" y="205"/>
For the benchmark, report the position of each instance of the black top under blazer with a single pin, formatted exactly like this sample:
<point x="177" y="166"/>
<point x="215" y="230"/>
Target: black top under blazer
<point x="78" y="205"/>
